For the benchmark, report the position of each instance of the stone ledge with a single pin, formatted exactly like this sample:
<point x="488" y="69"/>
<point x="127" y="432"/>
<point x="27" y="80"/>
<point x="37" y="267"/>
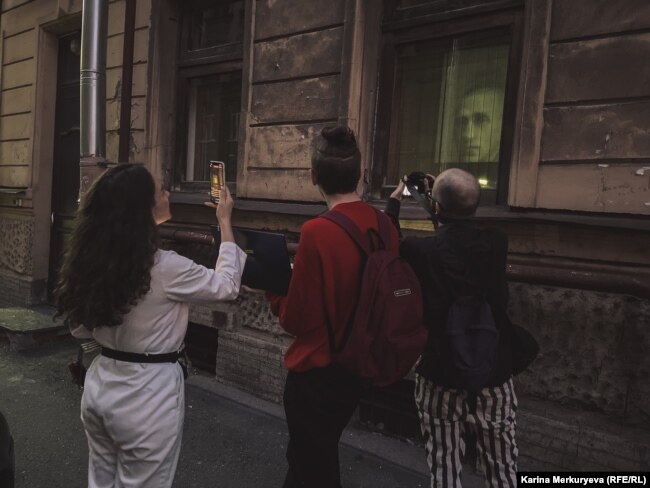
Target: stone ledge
<point x="553" y="437"/>
<point x="20" y="291"/>
<point x="27" y="328"/>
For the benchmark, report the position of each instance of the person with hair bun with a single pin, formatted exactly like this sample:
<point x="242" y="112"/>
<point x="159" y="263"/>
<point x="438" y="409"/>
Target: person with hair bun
<point x="118" y="287"/>
<point x="320" y="397"/>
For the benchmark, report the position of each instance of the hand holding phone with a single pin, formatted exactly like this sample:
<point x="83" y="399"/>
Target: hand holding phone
<point x="217" y="180"/>
<point x="418" y="182"/>
<point x="224" y="214"/>
<point x="400" y="191"/>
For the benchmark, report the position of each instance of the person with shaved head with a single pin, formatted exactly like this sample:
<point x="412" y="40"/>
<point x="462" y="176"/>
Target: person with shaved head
<point x="456" y="194"/>
<point x="462" y="258"/>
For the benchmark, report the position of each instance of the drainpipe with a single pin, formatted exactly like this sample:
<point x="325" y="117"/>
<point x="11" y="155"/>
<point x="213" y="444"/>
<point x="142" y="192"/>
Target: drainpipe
<point x="94" y="31"/>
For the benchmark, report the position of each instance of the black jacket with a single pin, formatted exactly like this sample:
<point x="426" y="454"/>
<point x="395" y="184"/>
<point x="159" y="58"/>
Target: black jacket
<point x="460" y="257"/>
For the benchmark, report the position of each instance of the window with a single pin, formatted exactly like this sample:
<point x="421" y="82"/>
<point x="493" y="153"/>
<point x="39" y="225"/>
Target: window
<point x="451" y="107"/>
<point x="445" y="92"/>
<point x="209" y="23"/>
<point x="209" y="90"/>
<point x="213" y="122"/>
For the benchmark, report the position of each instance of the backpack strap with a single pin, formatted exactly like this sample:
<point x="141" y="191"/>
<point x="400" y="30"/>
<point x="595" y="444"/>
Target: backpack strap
<point x="367" y="247"/>
<point x="365" y="244"/>
<point x="384" y="225"/>
<point x="348" y="225"/>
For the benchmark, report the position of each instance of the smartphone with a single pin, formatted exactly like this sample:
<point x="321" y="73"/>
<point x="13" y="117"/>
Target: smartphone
<point x="217" y="180"/>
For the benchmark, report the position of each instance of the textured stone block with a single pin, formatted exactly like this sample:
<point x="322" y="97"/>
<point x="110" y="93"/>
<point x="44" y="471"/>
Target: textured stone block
<point x="254" y="313"/>
<point x="593" y="348"/>
<point x="254" y="364"/>
<point x="16" y="245"/>
<point x="576" y="440"/>
<point x="21" y="291"/>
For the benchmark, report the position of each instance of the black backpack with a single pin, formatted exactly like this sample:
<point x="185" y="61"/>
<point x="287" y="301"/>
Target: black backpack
<point x="472" y="338"/>
<point x="470" y="335"/>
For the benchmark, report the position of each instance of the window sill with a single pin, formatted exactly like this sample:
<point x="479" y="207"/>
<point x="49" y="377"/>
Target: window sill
<point x="252" y="205"/>
<point x="410" y="211"/>
<point x="494" y="213"/>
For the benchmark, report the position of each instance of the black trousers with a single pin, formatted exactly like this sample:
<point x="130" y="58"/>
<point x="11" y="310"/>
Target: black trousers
<point x="318" y="404"/>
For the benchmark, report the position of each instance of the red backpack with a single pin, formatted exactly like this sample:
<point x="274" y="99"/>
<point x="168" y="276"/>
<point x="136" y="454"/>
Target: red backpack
<point x="386" y="335"/>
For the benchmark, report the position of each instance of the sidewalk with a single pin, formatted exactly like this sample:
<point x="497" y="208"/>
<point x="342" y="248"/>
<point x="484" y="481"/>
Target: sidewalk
<point x="42" y="406"/>
<point x="225" y="443"/>
<point x="231" y="438"/>
<point x="254" y="435"/>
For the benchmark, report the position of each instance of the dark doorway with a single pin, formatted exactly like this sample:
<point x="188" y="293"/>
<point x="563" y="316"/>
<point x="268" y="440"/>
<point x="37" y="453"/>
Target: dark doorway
<point x="65" y="171"/>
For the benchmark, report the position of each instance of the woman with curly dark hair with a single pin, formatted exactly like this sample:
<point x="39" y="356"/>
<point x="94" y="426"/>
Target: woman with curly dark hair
<point x="119" y="288"/>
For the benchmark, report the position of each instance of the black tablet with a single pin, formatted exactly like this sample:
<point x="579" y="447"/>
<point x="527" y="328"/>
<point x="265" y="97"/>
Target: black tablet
<point x="268" y="266"/>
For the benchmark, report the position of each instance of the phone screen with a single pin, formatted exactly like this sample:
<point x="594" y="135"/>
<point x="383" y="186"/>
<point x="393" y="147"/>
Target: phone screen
<point x="217" y="180"/>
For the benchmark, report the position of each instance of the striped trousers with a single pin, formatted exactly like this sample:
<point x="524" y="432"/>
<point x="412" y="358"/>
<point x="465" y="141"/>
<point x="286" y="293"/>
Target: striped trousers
<point x="444" y="414"/>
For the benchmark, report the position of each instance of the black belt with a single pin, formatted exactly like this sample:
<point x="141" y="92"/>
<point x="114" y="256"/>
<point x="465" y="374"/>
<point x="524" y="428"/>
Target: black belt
<point x="134" y="357"/>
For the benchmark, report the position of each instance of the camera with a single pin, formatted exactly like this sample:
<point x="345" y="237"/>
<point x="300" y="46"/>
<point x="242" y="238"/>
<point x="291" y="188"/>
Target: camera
<point x="415" y="182"/>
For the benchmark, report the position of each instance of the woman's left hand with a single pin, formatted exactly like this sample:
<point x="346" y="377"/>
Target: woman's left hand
<point x="224" y="207"/>
<point x="224" y="214"/>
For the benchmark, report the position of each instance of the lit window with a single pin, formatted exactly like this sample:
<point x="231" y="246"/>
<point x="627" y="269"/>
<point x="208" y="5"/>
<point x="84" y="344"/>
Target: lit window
<point x="451" y="106"/>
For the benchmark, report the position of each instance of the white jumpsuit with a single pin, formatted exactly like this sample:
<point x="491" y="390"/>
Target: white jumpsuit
<point x="133" y="412"/>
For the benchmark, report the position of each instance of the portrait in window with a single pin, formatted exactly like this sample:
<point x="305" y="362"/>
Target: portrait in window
<point x="451" y="102"/>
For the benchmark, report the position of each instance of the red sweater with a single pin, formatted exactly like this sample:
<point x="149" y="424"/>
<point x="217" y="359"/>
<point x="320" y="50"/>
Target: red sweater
<point x="324" y="285"/>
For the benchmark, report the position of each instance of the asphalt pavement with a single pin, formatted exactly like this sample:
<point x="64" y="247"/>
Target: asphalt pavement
<point x="230" y="440"/>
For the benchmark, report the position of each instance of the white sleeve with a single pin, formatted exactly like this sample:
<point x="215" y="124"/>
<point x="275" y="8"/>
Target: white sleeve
<point x="80" y="332"/>
<point x="186" y="281"/>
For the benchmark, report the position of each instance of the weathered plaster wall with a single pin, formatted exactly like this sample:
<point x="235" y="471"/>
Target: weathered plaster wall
<point x="30" y="30"/>
<point x="114" y="52"/>
<point x="593" y="349"/>
<point x="294" y="81"/>
<point x="594" y="142"/>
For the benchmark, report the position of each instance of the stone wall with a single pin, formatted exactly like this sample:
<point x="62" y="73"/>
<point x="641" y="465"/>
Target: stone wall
<point x="17" y="286"/>
<point x="30" y="36"/>
<point x="16" y="245"/>
<point x="594" y="349"/>
<point x="584" y="403"/>
<point x="552" y="437"/>
<point x="251" y="345"/>
<point x="18" y="290"/>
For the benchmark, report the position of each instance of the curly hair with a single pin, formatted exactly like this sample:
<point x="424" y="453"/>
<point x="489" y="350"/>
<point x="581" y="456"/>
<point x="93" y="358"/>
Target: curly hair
<point x="107" y="267"/>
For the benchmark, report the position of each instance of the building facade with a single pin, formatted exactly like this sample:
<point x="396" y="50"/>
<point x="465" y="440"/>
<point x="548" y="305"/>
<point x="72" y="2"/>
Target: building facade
<point x="547" y="102"/>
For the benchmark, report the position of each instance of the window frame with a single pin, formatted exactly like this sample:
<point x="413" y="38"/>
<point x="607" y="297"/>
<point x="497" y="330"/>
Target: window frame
<point x="426" y="22"/>
<point x="195" y="64"/>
